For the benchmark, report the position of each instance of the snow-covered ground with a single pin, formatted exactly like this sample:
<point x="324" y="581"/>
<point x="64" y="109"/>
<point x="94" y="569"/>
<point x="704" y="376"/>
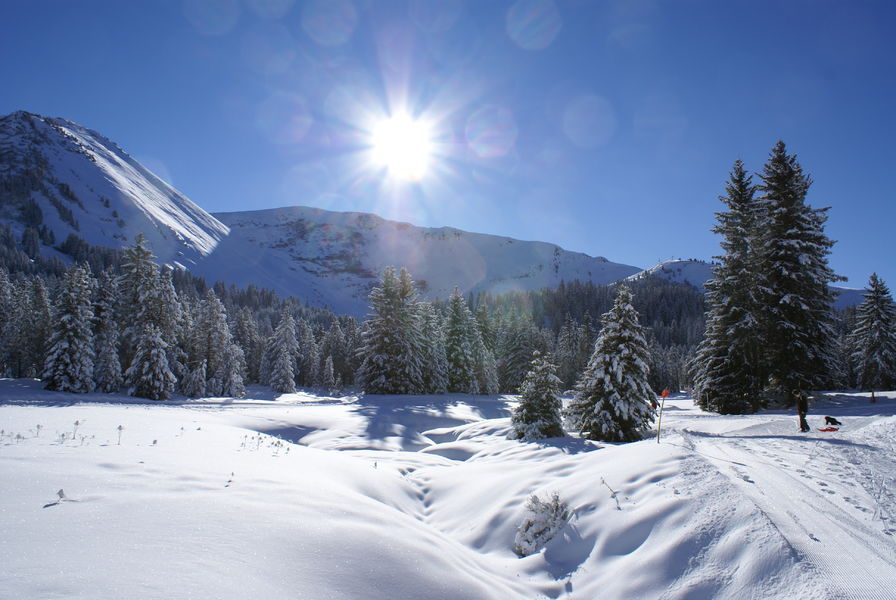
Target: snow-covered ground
<point x="303" y="496"/>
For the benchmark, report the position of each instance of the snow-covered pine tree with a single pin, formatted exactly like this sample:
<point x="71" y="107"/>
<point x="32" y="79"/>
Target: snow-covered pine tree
<point x="518" y="341"/>
<point x="232" y="371"/>
<point x="486" y="325"/>
<point x="392" y="347"/>
<point x="793" y="280"/>
<point x="873" y="340"/>
<point x="25" y="336"/>
<point x="327" y="378"/>
<point x="435" y="363"/>
<point x="537" y="416"/>
<point x="333" y="345"/>
<point x="460" y="346"/>
<point x="149" y="375"/>
<point x="567" y="353"/>
<point x="107" y="368"/>
<point x="225" y="364"/>
<point x="284" y="348"/>
<point x="69" y="363"/>
<point x="137" y="286"/>
<point x="486" y="369"/>
<point x="246" y="335"/>
<point x="309" y="354"/>
<point x="613" y="398"/>
<point x="727" y="376"/>
<point x="193" y="383"/>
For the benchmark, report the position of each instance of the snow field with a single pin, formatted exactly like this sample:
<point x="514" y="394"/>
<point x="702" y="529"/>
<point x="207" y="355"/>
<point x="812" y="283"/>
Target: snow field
<point x="407" y="497"/>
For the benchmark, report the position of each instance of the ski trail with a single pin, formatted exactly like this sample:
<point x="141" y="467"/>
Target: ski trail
<point x="859" y="559"/>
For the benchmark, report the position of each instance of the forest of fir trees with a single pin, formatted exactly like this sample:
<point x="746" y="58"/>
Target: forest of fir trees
<point x="118" y="321"/>
<point x="115" y="320"/>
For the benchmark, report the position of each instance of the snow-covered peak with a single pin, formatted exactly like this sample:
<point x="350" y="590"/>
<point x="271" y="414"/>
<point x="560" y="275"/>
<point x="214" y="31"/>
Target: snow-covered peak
<point x="693" y="272"/>
<point x="85" y="184"/>
<point x="333" y="258"/>
<point x="697" y="272"/>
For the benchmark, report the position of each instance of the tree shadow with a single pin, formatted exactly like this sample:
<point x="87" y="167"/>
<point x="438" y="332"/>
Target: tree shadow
<point x="407" y="417"/>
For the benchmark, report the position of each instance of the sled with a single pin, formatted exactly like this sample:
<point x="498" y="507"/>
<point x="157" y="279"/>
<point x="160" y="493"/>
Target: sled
<point x="828" y="429"/>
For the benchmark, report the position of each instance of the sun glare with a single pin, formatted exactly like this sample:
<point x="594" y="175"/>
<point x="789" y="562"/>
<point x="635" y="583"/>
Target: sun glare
<point x="403" y="146"/>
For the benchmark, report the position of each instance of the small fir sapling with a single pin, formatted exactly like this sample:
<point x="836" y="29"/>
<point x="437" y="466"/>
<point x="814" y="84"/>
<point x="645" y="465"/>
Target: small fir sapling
<point x="120" y="429"/>
<point x="543" y="520"/>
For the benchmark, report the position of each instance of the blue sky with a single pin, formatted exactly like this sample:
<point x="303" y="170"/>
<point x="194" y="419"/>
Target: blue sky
<point x="607" y="127"/>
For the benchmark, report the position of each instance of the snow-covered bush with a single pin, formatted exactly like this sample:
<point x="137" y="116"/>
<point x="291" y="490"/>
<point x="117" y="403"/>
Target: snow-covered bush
<point x="544" y="518"/>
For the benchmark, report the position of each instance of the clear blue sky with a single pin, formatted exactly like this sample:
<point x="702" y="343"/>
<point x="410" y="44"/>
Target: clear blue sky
<point x="607" y="127"/>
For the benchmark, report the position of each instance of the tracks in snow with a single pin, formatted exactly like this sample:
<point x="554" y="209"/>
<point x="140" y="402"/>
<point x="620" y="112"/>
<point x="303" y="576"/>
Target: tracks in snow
<point x="817" y="502"/>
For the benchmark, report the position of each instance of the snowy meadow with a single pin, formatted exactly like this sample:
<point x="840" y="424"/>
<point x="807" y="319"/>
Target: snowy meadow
<point x="308" y="496"/>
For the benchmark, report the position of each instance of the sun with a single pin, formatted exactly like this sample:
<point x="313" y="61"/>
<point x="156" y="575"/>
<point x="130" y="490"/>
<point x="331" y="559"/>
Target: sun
<point x="403" y="146"/>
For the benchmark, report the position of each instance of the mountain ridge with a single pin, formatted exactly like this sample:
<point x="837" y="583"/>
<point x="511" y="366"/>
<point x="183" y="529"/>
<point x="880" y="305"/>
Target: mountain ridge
<point x="60" y="178"/>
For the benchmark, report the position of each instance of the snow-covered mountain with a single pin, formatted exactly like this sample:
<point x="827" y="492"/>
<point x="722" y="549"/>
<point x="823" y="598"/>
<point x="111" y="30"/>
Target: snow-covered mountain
<point x="698" y="272"/>
<point x="333" y="258"/>
<point x="693" y="272"/>
<point x="69" y="179"/>
<point x="60" y="178"/>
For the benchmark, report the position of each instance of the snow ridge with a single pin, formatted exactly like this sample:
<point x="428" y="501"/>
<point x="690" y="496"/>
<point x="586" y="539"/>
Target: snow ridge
<point x="83" y="183"/>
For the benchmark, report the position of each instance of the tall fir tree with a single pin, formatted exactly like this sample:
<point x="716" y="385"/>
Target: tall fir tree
<point x="149" y="375"/>
<point x="392" y="346"/>
<point x="224" y="360"/>
<point x="137" y="286"/>
<point x="872" y="342"/>
<point x="327" y="378"/>
<point x="537" y="416"/>
<point x="309" y="354"/>
<point x="460" y="346"/>
<point x="793" y="280"/>
<point x="613" y="397"/>
<point x="728" y="374"/>
<point x="284" y="350"/>
<point x="69" y="363"/>
<point x="107" y="369"/>
<point x="435" y="362"/>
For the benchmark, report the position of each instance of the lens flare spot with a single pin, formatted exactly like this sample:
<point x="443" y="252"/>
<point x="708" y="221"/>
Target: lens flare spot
<point x="589" y="121"/>
<point x="329" y="22"/>
<point x="491" y="132"/>
<point x="533" y="24"/>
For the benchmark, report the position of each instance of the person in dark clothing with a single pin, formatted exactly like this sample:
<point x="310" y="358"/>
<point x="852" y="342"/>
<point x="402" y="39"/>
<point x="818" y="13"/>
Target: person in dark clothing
<point x="832" y="421"/>
<point x="802" y="407"/>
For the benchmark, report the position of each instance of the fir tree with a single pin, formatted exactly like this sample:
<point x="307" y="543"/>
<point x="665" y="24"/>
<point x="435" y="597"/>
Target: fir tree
<point x="282" y="357"/>
<point x="613" y="398"/>
<point x="435" y="362"/>
<point x="309" y="354"/>
<point x="193" y="383"/>
<point x="214" y="344"/>
<point x="392" y="344"/>
<point x="793" y="280"/>
<point x="137" y="285"/>
<point x="246" y="335"/>
<point x="327" y="378"/>
<point x="69" y="364"/>
<point x="728" y="366"/>
<point x="518" y="341"/>
<point x="872" y="342"/>
<point x="537" y="416"/>
<point x="149" y="375"/>
<point x="460" y="346"/>
<point x="107" y="370"/>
